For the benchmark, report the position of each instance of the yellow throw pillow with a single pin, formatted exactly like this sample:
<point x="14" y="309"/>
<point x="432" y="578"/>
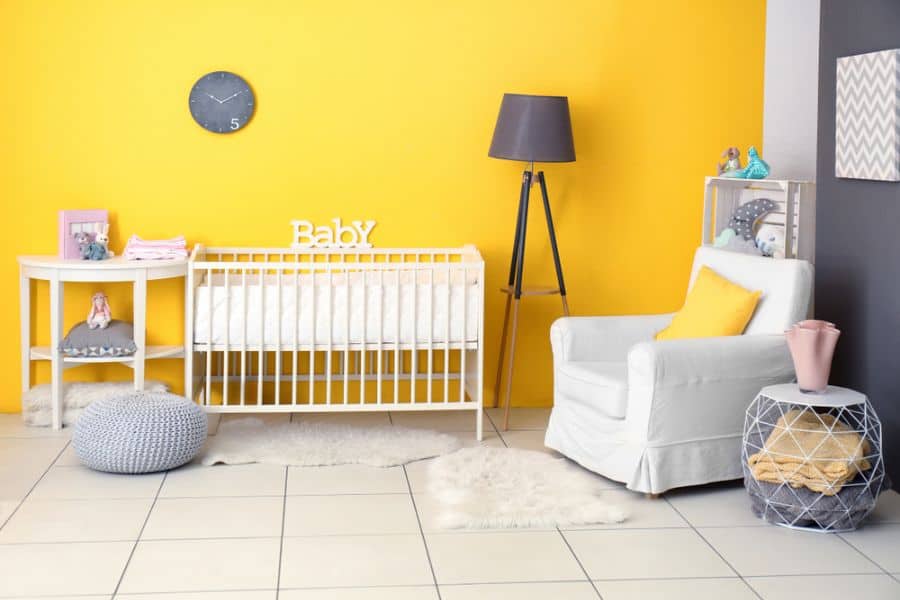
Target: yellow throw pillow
<point x="714" y="307"/>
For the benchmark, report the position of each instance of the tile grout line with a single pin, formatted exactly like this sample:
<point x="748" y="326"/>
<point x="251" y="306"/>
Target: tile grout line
<point x="496" y="429"/>
<point x="34" y="485"/>
<point x="580" y="565"/>
<point x="866" y="556"/>
<point x="412" y="498"/>
<point x="140" y="533"/>
<point x="713" y="548"/>
<point x="287" y="471"/>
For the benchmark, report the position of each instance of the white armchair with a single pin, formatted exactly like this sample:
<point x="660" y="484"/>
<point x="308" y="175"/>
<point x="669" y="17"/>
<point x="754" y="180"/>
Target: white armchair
<point x="660" y="415"/>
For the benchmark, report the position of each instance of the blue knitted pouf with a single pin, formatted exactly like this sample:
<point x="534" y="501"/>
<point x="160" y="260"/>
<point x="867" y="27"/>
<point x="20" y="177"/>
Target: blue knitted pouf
<point x="140" y="432"/>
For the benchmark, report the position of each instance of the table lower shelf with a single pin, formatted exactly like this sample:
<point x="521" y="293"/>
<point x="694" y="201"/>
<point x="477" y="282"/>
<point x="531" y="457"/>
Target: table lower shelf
<point x="153" y="352"/>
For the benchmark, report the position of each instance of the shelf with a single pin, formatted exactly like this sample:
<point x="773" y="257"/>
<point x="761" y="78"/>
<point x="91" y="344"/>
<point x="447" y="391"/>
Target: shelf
<point x="532" y="290"/>
<point x="153" y="352"/>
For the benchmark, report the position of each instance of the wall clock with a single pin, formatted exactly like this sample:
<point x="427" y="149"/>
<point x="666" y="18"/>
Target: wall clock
<point x="221" y="102"/>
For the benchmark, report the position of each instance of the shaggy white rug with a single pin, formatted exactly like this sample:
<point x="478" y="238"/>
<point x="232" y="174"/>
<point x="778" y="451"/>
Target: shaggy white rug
<point x="250" y="440"/>
<point x="36" y="409"/>
<point x="479" y="488"/>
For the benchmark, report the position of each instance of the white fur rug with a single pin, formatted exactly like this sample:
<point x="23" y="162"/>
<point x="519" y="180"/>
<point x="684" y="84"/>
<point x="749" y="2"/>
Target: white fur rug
<point x="77" y="396"/>
<point x="480" y="488"/>
<point x="250" y="440"/>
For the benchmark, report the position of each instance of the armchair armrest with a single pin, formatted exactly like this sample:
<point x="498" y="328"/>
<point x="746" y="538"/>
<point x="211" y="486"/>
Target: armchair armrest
<point x="602" y="338"/>
<point x="700" y="388"/>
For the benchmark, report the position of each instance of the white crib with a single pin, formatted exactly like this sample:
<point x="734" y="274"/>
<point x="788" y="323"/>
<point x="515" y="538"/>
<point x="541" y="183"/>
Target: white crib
<point x="334" y="329"/>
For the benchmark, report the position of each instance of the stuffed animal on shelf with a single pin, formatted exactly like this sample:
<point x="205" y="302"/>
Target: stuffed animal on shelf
<point x="99" y="248"/>
<point x="747" y="215"/>
<point x="732" y="163"/>
<point x="770" y="241"/>
<point x="756" y="167"/>
<point x="83" y="239"/>
<point x="100" y="315"/>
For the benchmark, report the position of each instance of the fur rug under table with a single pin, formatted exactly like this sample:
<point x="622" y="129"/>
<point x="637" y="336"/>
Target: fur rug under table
<point x="488" y="488"/>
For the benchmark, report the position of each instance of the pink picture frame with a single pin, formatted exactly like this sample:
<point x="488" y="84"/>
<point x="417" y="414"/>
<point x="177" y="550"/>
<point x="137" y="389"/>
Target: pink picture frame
<point x="74" y="221"/>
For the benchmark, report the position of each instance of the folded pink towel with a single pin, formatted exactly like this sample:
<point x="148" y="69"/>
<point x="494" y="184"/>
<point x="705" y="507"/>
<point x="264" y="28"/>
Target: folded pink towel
<point x="138" y="249"/>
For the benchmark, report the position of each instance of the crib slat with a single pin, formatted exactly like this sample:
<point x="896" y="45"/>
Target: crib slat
<point x="278" y="317"/>
<point x="414" y="355"/>
<point x="262" y="335"/>
<point x="226" y="352"/>
<point x="314" y="339"/>
<point x="330" y="336"/>
<point x="244" y="335"/>
<point x="365" y="338"/>
<point x="346" y="361"/>
<point x="296" y="336"/>
<point x="209" y="289"/>
<point x="430" y="323"/>
<point x="379" y="366"/>
<point x="397" y="340"/>
<point x="447" y="334"/>
<point x="462" y="346"/>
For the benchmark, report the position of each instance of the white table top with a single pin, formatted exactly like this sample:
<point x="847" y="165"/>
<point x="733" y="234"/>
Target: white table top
<point x="833" y="396"/>
<point x="117" y="268"/>
<point x="51" y="261"/>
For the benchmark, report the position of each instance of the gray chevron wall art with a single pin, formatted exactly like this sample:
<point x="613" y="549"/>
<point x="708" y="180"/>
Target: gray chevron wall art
<point x="867" y="127"/>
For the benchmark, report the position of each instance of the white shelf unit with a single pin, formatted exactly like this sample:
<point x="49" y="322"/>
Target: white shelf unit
<point x="796" y="211"/>
<point x="57" y="272"/>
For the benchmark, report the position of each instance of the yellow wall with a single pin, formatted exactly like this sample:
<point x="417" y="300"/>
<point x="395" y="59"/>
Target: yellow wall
<point x="380" y="110"/>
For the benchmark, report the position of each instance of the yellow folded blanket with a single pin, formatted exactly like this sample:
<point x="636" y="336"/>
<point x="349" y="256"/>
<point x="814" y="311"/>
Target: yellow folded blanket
<point x="802" y="452"/>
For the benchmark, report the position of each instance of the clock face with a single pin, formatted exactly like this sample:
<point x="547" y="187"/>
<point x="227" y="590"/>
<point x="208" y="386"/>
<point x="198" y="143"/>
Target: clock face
<point x="221" y="102"/>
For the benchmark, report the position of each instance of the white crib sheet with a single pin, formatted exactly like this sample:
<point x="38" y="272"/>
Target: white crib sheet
<point x="331" y="299"/>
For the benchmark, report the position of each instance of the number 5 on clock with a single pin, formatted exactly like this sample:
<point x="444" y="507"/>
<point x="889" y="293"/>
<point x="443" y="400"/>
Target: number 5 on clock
<point x="235" y="123"/>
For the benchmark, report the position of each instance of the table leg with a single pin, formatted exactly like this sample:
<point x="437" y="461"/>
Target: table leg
<point x="25" y="324"/>
<point x="56" y="359"/>
<point x="140" y="328"/>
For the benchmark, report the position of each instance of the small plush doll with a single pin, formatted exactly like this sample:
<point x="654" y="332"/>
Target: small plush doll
<point x="83" y="239"/>
<point x="100" y="315"/>
<point x="732" y="162"/>
<point x="770" y="241"/>
<point x="99" y="248"/>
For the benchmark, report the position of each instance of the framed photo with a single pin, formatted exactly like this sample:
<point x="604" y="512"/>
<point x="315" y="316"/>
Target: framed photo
<point x="78" y="221"/>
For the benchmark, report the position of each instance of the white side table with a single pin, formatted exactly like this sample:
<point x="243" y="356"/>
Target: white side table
<point x="835" y="417"/>
<point x="58" y="271"/>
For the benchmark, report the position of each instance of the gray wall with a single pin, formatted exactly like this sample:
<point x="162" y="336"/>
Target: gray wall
<point x="858" y="231"/>
<point x="791" y="88"/>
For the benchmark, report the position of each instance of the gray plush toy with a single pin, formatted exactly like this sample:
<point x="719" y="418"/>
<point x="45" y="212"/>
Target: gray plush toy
<point x="740" y="227"/>
<point x="748" y="214"/>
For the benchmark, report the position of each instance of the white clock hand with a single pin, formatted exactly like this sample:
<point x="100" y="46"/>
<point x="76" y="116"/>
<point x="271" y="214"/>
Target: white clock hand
<point x="232" y="96"/>
<point x="214" y="98"/>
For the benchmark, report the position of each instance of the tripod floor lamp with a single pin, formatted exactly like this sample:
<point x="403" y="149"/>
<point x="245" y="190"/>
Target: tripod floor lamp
<point x="530" y="129"/>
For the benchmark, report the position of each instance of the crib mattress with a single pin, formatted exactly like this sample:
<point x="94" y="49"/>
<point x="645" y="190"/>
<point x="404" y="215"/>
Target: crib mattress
<point x="373" y="304"/>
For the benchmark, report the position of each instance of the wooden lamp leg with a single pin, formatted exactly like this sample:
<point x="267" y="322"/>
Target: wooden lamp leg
<point x="517" y="291"/>
<point x="512" y="278"/>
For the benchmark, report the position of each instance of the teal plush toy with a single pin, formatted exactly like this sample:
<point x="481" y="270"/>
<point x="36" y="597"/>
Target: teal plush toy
<point x="756" y="167"/>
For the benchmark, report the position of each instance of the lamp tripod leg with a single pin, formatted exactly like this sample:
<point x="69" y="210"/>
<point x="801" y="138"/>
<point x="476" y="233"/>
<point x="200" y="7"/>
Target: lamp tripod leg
<point x="553" y="246"/>
<point x="509" y="370"/>
<point x="502" y="351"/>
<point x="513" y="264"/>
<point x="516" y="292"/>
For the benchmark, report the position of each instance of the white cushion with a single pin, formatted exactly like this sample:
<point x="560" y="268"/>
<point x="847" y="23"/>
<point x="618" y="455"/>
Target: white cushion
<point x="785" y="285"/>
<point x="599" y="385"/>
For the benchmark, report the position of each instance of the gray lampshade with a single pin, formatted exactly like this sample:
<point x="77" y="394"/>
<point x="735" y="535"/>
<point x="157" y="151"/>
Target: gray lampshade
<point x="533" y="128"/>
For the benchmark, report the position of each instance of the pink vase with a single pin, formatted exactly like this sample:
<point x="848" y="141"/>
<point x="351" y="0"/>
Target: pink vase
<point x="812" y="345"/>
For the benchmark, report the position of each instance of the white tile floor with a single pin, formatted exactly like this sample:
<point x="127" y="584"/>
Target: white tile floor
<point x="258" y="532"/>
